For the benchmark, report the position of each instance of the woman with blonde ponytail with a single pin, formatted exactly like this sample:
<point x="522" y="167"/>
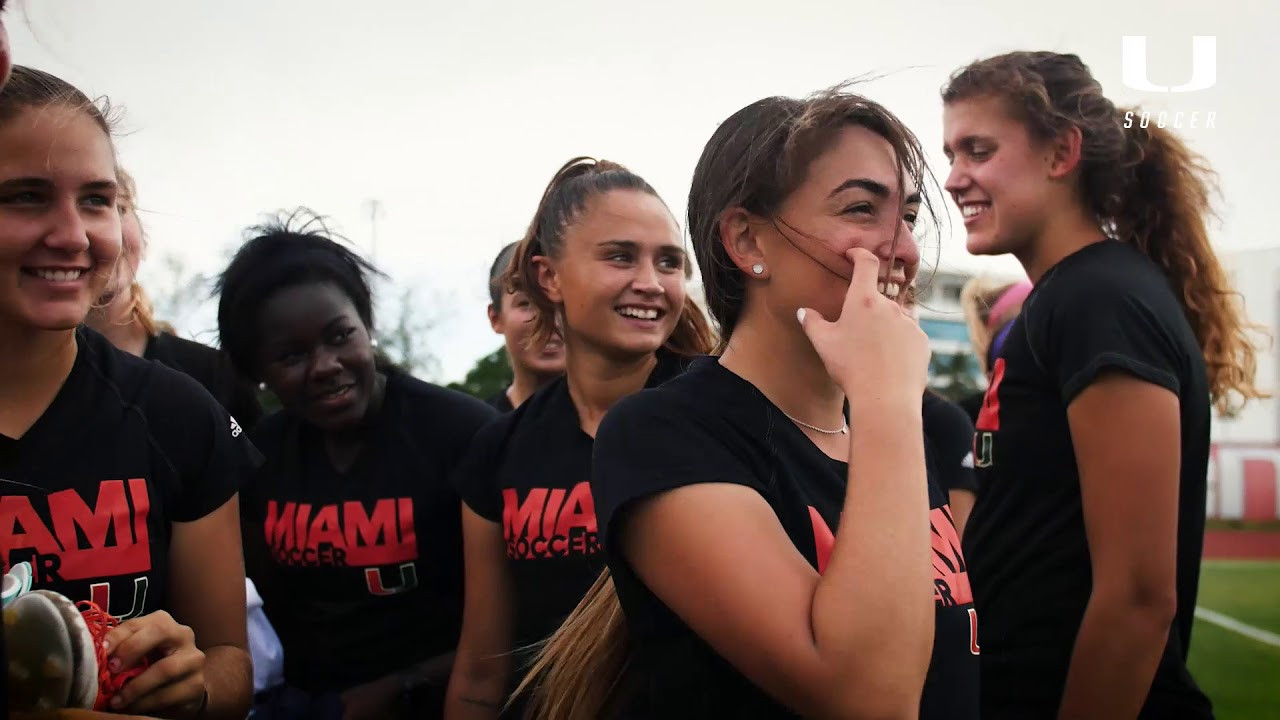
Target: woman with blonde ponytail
<point x="778" y="545"/>
<point x="603" y="264"/>
<point x="124" y="315"/>
<point x="1093" y="442"/>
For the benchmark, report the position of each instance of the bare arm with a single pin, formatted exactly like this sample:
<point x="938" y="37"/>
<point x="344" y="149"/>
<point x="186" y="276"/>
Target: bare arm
<point x="482" y="665"/>
<point x="854" y="642"/>
<point x="961" y="502"/>
<point x="207" y="593"/>
<point x="200" y="665"/>
<point x="1127" y="442"/>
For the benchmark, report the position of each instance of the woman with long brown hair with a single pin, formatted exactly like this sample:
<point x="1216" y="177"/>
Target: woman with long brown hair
<point x="770" y="555"/>
<point x="604" y="266"/>
<point x="1093" y="441"/>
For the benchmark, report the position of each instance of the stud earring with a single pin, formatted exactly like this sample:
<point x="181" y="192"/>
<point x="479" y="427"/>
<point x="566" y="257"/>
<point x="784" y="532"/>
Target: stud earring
<point x="757" y="268"/>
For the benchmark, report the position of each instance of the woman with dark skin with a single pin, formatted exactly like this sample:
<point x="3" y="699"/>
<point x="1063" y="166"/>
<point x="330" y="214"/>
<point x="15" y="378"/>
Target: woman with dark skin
<point x="351" y="527"/>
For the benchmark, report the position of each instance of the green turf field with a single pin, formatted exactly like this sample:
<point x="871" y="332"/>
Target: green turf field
<point x="1241" y="675"/>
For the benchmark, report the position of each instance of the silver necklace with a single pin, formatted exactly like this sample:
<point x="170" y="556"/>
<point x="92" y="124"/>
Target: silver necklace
<point x="842" y="431"/>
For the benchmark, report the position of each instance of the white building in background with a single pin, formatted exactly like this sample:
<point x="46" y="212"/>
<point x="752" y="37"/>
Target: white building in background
<point x="942" y="319"/>
<point x="1244" y="473"/>
<point x="1256" y="276"/>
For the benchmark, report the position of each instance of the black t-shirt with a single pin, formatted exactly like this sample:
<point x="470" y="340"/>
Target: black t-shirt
<point x="530" y="471"/>
<point x="361" y="571"/>
<point x="972" y="404"/>
<point x="710" y="425"/>
<point x="213" y="370"/>
<point x="126" y="448"/>
<point x="949" y="433"/>
<point x="501" y="402"/>
<point x="1107" y="307"/>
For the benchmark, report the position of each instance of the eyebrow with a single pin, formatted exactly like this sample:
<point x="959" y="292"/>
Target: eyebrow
<point x="634" y="246"/>
<point x="874" y="187"/>
<point x="966" y="142"/>
<point x="38" y="182"/>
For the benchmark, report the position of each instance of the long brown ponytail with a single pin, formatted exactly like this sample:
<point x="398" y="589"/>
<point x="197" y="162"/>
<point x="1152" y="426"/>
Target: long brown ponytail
<point x="582" y="667"/>
<point x="1143" y="184"/>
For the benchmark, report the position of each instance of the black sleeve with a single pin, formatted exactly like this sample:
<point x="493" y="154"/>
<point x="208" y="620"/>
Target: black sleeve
<point x="462" y="418"/>
<point x="243" y="403"/>
<point x="208" y="453"/>
<point x="1078" y="330"/>
<point x="950" y="433"/>
<point x="475" y="479"/>
<point x="652" y="442"/>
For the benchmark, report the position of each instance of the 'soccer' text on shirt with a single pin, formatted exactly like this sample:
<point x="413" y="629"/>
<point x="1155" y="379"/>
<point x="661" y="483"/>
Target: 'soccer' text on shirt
<point x="550" y="522"/>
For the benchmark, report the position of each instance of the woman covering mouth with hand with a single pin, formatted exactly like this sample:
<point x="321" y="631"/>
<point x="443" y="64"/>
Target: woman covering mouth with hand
<point x="769" y="556"/>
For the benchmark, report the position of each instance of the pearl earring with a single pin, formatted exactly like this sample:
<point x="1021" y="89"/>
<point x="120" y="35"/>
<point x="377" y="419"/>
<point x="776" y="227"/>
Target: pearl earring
<point x="757" y="268"/>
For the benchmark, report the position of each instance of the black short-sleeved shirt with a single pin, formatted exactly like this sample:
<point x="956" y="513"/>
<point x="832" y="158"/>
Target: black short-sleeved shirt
<point x="501" y="402"/>
<point x="213" y="370"/>
<point x="530" y="471"/>
<point x="126" y="448"/>
<point x="710" y="425"/>
<point x="949" y="433"/>
<point x="361" y="571"/>
<point x="1104" y="308"/>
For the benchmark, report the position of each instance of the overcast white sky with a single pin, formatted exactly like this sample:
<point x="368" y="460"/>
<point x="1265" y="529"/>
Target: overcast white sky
<point x="454" y="115"/>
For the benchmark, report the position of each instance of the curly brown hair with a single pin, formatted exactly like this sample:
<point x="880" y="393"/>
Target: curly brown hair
<point x="1145" y="186"/>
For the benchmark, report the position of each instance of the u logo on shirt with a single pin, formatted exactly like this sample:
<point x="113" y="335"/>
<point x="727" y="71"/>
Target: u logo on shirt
<point x="988" y="419"/>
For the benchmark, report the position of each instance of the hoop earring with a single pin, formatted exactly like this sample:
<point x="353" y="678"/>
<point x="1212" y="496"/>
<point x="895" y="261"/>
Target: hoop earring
<point x="757" y="268"/>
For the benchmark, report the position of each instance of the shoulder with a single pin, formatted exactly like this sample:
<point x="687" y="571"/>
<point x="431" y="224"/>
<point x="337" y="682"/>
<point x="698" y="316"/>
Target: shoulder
<point x="943" y="416"/>
<point x="452" y="418"/>
<point x="185" y="348"/>
<point x="685" y="398"/>
<point x="160" y="393"/>
<point x="707" y="409"/>
<point x="422" y="396"/>
<point x="1106" y="277"/>
<point x="268" y="434"/>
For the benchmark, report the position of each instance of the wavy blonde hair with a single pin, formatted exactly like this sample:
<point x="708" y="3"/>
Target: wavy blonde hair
<point x="141" y="310"/>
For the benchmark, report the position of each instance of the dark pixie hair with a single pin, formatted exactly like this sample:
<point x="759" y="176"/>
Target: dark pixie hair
<point x="758" y="156"/>
<point x="285" y="251"/>
<point x="497" y="275"/>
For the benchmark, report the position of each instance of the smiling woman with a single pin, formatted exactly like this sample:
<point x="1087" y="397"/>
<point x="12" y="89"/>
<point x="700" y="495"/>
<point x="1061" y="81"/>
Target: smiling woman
<point x="605" y="269"/>
<point x="351" y="528"/>
<point x="79" y="416"/>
